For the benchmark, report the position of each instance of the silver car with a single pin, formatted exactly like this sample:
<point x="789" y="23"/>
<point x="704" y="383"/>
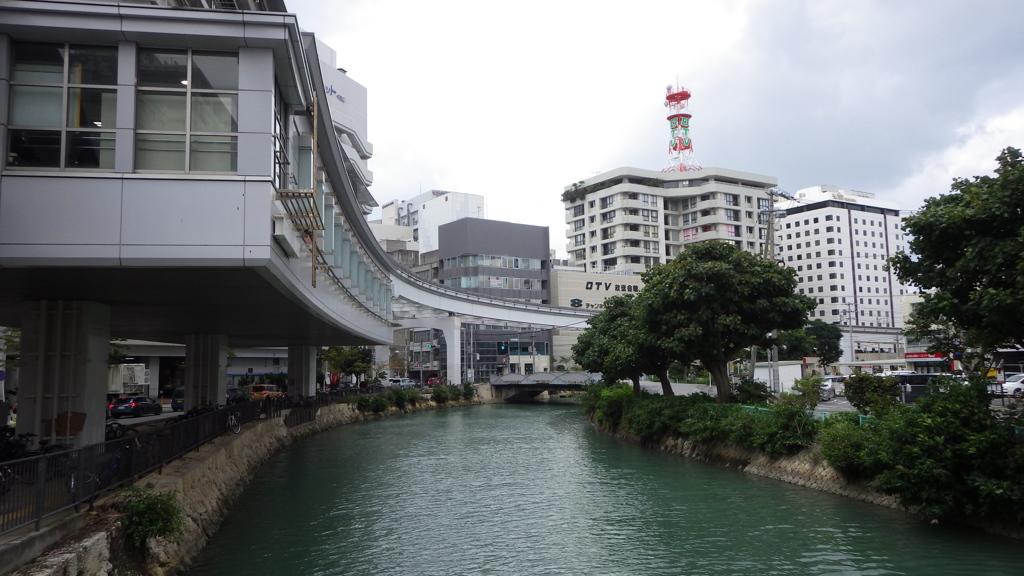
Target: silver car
<point x="1014" y="386"/>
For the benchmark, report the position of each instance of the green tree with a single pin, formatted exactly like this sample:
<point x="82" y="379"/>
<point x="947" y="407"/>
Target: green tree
<point x="827" y="338"/>
<point x="609" y="343"/>
<point x="818" y="338"/>
<point x="348" y="360"/>
<point x="968" y="248"/>
<point x="950" y="457"/>
<point x="872" y="394"/>
<point x="714" y="300"/>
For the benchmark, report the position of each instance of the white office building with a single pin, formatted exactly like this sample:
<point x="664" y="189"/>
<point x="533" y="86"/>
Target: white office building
<point x="630" y="219"/>
<point x="838" y="241"/>
<point x="426" y="213"/>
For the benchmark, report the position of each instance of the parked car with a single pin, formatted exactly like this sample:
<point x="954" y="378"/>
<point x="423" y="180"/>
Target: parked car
<point x="235" y="396"/>
<point x="178" y="399"/>
<point x="261" y="391"/>
<point x="402" y="382"/>
<point x="134" y="406"/>
<point x="1014" y="386"/>
<point x="838" y="385"/>
<point x="828" y="389"/>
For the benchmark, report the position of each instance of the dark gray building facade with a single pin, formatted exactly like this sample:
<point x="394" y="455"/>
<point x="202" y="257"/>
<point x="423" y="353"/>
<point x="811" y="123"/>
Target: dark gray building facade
<point x="495" y="258"/>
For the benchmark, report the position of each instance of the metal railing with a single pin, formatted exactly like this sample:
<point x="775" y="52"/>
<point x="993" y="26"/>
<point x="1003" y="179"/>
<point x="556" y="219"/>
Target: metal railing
<point x="37" y="487"/>
<point x="34" y="488"/>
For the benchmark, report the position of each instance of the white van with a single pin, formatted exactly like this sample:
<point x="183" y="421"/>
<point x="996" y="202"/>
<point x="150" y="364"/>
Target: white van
<point x="402" y="382"/>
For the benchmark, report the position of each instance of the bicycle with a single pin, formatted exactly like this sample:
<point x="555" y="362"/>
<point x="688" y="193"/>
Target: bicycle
<point x="117" y="430"/>
<point x="234" y="424"/>
<point x="7" y="478"/>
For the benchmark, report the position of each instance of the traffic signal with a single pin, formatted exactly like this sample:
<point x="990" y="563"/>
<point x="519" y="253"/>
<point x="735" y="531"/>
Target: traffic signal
<point x="430" y="345"/>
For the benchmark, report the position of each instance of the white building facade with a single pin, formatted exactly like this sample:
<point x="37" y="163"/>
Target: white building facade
<point x="838" y="242"/>
<point x="630" y="219"/>
<point x="426" y="213"/>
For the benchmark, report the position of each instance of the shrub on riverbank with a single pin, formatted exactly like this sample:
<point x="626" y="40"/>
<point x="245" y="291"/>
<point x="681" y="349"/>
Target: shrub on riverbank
<point x="948" y="457"/>
<point x="148" y="514"/>
<point x="777" y="430"/>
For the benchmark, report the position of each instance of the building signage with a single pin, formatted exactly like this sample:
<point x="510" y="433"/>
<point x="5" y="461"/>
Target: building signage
<point x="332" y="92"/>
<point x="929" y="355"/>
<point x="608" y="287"/>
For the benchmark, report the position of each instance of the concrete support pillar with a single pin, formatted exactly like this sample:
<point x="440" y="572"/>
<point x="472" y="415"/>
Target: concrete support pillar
<point x="452" y="328"/>
<point x="206" y="370"/>
<point x="301" y="371"/>
<point x="64" y="350"/>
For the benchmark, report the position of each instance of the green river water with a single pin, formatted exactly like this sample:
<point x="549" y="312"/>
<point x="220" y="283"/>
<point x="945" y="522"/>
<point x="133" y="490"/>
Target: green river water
<point x="536" y="490"/>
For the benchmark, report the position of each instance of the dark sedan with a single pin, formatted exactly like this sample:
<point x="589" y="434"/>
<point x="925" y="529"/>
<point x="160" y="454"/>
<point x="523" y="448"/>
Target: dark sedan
<point x="134" y="406"/>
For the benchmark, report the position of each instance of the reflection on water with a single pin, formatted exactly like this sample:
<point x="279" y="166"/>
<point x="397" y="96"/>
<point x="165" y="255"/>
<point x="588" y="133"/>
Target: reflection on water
<point x="534" y="490"/>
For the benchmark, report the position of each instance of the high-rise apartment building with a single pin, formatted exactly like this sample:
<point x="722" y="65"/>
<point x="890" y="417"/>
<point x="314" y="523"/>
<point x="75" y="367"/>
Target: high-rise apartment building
<point x="630" y="219"/>
<point x="838" y="241"/>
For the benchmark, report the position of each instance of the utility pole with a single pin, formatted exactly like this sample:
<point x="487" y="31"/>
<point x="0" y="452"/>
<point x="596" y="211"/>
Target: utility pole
<point x="768" y="253"/>
<point x="849" y="326"/>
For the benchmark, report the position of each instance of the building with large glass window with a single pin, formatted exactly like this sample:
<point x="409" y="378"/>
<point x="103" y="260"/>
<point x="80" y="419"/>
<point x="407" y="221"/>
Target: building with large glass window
<point x="630" y="219"/>
<point x="190" y="173"/>
<point x="494" y="258"/>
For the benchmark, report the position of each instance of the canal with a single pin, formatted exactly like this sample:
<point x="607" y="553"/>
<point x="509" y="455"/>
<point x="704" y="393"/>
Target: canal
<point x="535" y="490"/>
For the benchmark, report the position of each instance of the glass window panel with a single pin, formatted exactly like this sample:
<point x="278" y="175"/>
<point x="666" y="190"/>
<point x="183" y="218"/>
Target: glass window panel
<point x="163" y="68"/>
<point x="161" y="111"/>
<point x="92" y="65"/>
<point x="36" y="106"/>
<point x="215" y="112"/>
<point x="215" y="70"/>
<point x="35" y="62"/>
<point x="92" y="108"/>
<point x="90" y="150"/>
<point x="160" y="152"/>
<point x="34" y="148"/>
<point x="214" y="154"/>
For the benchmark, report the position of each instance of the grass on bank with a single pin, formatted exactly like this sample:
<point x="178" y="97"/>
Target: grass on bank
<point x="948" y="457"/>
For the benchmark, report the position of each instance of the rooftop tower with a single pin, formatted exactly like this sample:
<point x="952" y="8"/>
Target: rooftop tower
<point x="680" y="147"/>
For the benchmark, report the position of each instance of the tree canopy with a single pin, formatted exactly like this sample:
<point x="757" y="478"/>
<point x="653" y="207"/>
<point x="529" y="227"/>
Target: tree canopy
<point x="714" y="300"/>
<point x="968" y="256"/>
<point x="818" y="338"/>
<point x="348" y="360"/>
<point x="608" y="345"/>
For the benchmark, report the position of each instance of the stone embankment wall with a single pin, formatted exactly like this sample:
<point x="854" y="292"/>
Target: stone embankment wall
<point x="806" y="469"/>
<point x="207" y="481"/>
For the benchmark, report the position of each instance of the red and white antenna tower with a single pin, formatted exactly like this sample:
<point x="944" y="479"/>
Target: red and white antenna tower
<point x="680" y="147"/>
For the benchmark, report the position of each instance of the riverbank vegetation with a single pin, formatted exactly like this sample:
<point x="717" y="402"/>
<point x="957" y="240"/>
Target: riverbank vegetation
<point x="148" y="514"/>
<point x="400" y="398"/>
<point x="710" y="304"/>
<point x="948" y="457"/>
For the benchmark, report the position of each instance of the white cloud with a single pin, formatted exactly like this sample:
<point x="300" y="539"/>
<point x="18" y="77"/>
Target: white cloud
<point x="516" y="101"/>
<point x="971" y="152"/>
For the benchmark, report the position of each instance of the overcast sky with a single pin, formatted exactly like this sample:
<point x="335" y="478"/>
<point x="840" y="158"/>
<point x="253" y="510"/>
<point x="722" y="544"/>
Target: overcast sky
<point x="516" y="100"/>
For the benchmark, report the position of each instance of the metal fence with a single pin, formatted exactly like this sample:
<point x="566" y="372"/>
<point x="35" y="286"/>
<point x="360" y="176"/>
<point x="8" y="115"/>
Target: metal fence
<point x="34" y="488"/>
<point x="31" y="489"/>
